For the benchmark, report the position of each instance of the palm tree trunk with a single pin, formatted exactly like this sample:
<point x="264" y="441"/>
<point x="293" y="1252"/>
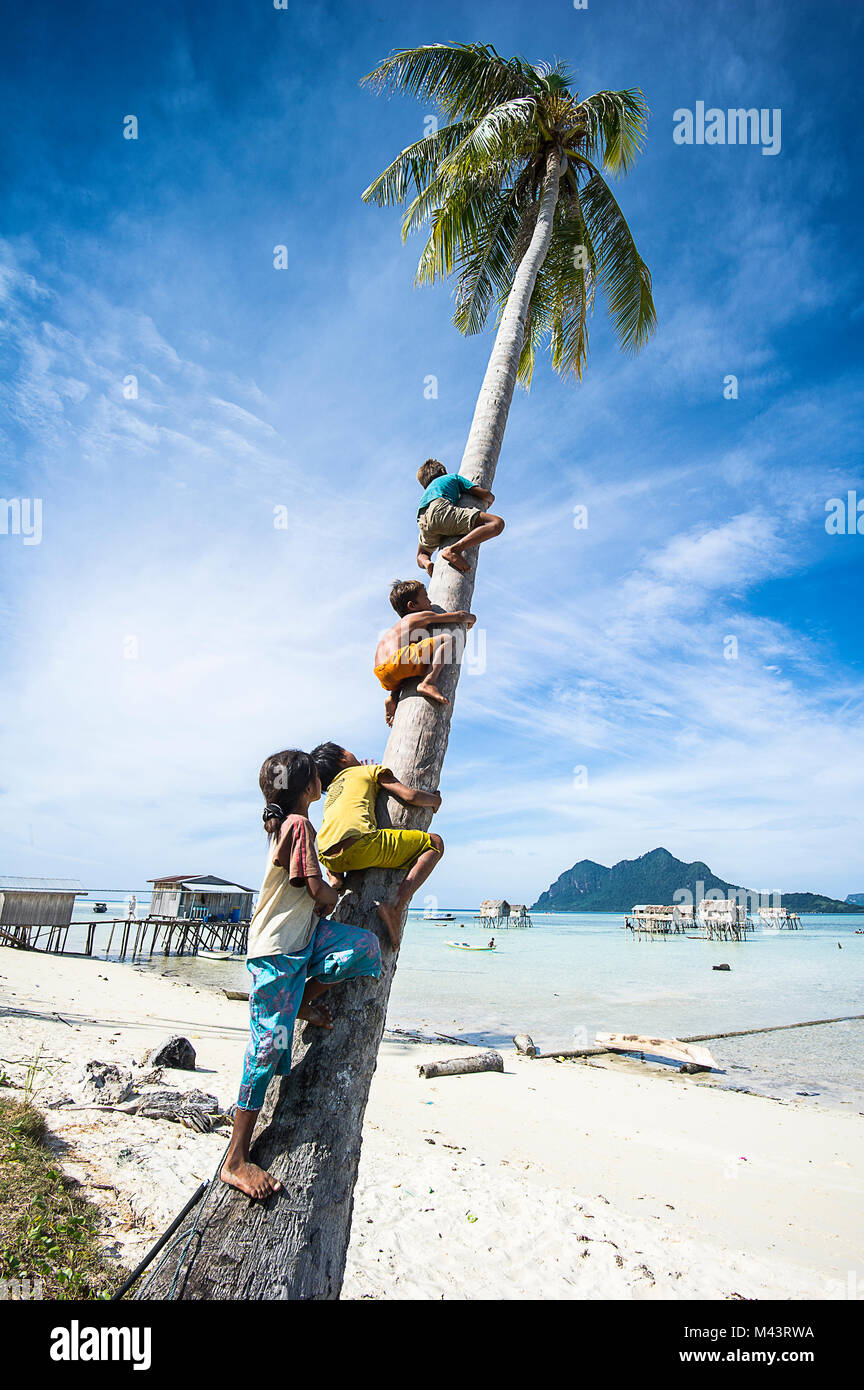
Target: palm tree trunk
<point x="309" y="1131"/>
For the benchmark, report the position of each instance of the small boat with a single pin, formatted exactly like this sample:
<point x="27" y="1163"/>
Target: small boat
<point x="100" y="907"/>
<point x="672" y="1048"/>
<point x="215" y="955"/>
<point x="463" y="946"/>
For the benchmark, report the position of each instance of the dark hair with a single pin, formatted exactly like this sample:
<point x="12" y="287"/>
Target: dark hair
<point x="405" y="591"/>
<point x="283" y="779"/>
<point x="328" y="760"/>
<point x="432" y="468"/>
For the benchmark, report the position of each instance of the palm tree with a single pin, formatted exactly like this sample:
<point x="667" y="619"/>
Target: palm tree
<point x="518" y="208"/>
<point x="512" y="190"/>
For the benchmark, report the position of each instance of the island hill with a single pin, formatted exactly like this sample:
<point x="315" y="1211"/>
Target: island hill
<point x="655" y="878"/>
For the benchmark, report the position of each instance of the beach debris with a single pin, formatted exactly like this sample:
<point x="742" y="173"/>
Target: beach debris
<point x="524" y="1044"/>
<point x="153" y="1077"/>
<point x="177" y="1053"/>
<point x="459" y="1066"/>
<point x="691" y="1068"/>
<point x="671" y="1048"/>
<point x="721" y="967"/>
<point x="242" y="994"/>
<point x="103" y="1083"/>
<point x="195" y="1110"/>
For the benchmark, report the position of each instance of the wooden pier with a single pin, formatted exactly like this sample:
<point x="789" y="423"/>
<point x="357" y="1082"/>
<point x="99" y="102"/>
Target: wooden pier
<point x="653" y="920"/>
<point x="136" y="937"/>
<point x="498" y="915"/>
<point x="777" y="918"/>
<point x="723" y="920"/>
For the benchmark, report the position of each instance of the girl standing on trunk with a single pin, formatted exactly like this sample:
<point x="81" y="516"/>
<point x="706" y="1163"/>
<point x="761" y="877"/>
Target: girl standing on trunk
<point x="295" y="952"/>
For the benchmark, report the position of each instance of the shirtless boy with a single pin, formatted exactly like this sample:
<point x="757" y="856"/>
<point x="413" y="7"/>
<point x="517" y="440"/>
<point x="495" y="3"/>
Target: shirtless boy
<point x="407" y="650"/>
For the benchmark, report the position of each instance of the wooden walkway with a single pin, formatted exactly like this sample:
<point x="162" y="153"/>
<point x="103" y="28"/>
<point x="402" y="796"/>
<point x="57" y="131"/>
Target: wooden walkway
<point x="136" y="937"/>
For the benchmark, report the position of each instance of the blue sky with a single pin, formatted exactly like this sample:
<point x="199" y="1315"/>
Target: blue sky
<point x="164" y="636"/>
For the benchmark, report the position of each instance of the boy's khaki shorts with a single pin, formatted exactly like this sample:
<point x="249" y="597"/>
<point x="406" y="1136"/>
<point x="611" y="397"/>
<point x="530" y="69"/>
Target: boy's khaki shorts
<point x="441" y="520"/>
<point x="381" y="849"/>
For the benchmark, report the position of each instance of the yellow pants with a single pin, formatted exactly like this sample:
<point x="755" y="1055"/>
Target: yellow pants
<point x="381" y="849"/>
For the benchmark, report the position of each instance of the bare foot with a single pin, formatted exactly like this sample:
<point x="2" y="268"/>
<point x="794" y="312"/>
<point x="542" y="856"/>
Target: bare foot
<point x="391" y="704"/>
<point x="336" y="880"/>
<point x="456" y="559"/>
<point x="317" y="1013"/>
<point x="428" y="564"/>
<point x="249" y="1178"/>
<point x="432" y="693"/>
<point x="390" y="917"/>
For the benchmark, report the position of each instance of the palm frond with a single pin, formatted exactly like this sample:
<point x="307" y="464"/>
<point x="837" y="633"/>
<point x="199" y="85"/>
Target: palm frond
<point x="415" y="165"/>
<point x="457" y="225"/>
<point x="464" y="79"/>
<point x="625" y="277"/>
<point x="432" y="201"/>
<point x="479" y="161"/>
<point x="503" y="136"/>
<point x="536" y="330"/>
<point x="486" y="266"/>
<point x="615" y="127"/>
<point x="564" y="294"/>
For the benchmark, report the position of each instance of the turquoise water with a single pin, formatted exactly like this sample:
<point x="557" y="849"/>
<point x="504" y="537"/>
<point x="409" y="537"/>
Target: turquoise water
<point x="572" y="976"/>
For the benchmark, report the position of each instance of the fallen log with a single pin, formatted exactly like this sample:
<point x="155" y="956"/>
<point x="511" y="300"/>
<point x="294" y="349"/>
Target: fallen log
<point x="459" y="1066"/>
<point x="525" y="1045"/>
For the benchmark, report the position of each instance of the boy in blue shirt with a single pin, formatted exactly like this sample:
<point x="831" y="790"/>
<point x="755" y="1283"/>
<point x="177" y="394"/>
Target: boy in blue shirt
<point x="440" y="516"/>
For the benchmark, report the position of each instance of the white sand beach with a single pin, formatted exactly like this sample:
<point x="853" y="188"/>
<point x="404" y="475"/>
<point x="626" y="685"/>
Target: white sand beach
<point x="598" y="1180"/>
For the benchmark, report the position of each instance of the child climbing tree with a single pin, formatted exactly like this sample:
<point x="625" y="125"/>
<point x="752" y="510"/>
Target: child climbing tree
<point x="513" y="193"/>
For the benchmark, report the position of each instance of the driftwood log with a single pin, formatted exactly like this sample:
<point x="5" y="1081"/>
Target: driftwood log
<point x="461" y="1066"/>
<point x="525" y="1045"/>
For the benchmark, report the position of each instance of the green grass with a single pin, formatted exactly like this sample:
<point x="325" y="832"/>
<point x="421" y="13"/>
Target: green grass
<point x="48" y="1232"/>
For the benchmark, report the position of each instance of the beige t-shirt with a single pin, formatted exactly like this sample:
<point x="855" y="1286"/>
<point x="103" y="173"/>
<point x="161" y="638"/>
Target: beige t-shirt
<point x="285" y="917"/>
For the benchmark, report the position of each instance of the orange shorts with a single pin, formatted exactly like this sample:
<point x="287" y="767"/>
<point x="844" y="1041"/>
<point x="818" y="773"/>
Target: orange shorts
<point x="407" y="662"/>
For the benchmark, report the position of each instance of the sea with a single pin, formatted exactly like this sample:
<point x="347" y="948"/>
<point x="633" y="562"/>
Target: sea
<point x="571" y="976"/>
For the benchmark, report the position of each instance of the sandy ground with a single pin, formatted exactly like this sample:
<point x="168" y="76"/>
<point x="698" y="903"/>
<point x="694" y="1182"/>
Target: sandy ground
<point x="553" y="1180"/>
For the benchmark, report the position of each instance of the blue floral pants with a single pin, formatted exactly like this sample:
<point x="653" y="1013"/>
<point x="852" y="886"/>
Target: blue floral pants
<point x="335" y="952"/>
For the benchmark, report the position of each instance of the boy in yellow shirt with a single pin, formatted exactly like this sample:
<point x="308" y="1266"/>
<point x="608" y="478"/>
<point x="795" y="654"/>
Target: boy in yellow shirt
<point x="349" y="837"/>
<point x="407" y="650"/>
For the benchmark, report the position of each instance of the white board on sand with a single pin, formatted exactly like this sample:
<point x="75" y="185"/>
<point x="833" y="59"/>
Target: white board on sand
<point x="657" y="1047"/>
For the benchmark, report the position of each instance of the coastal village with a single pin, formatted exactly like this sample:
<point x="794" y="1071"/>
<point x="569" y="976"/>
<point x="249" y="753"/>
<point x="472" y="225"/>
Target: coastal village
<point x="201" y="913"/>
<point x="135" y="1074"/>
